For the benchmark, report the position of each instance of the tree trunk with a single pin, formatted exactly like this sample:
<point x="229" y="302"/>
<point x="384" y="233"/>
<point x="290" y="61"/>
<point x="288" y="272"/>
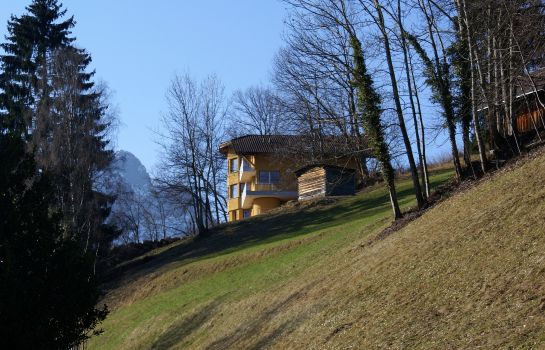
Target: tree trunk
<point x="462" y="13"/>
<point x="423" y="174"/>
<point x="425" y="180"/>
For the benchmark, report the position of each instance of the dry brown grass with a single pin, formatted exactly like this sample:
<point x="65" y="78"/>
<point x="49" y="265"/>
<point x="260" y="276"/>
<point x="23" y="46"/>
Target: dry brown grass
<point x="468" y="274"/>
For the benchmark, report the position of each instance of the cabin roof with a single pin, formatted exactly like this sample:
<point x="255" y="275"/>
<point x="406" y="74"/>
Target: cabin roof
<point x="524" y="84"/>
<point x="254" y="144"/>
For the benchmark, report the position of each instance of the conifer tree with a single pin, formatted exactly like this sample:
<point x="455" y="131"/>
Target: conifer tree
<point x="369" y="106"/>
<point x="52" y="145"/>
<point x="48" y="96"/>
<point x="48" y="291"/>
<point x="32" y="37"/>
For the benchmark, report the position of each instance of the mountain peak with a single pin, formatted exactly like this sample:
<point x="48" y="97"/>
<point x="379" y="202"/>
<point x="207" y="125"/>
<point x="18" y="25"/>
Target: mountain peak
<point x="129" y="167"/>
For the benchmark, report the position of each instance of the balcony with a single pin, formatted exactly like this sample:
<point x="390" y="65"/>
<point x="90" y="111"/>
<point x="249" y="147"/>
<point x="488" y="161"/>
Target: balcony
<point x="265" y="190"/>
<point x="246" y="172"/>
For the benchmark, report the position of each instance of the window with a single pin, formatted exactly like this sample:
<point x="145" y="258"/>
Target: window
<point x="233" y="165"/>
<point x="274" y="177"/>
<point x="246" y="214"/>
<point x="269" y="177"/>
<point x="233" y="191"/>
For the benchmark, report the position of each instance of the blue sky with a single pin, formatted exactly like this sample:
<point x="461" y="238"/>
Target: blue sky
<point x="137" y="46"/>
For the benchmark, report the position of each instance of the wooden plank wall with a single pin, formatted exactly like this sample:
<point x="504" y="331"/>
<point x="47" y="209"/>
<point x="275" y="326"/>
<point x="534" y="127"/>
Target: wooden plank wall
<point x="312" y="183"/>
<point x="528" y="121"/>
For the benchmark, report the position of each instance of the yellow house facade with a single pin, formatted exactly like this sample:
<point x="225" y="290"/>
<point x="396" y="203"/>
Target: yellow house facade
<point x="261" y="173"/>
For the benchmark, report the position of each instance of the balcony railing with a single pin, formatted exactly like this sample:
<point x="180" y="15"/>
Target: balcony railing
<point x="266" y="187"/>
<point x="249" y="193"/>
<point x="281" y="187"/>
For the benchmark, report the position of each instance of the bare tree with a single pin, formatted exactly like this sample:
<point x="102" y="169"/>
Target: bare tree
<point x="369" y="103"/>
<point x="505" y="50"/>
<point x="336" y="18"/>
<point x="313" y="74"/>
<point x="375" y="11"/>
<point x="437" y="72"/>
<point x="257" y="110"/>
<point x="192" y="167"/>
<point x="128" y="215"/>
<point x="412" y="91"/>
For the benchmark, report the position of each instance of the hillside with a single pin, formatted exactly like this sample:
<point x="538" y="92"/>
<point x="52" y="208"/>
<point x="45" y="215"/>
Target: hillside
<point x="469" y="273"/>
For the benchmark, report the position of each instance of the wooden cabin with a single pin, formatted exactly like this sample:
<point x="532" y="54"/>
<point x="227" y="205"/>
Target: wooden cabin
<point x="527" y="104"/>
<point x="527" y="108"/>
<point x="322" y="180"/>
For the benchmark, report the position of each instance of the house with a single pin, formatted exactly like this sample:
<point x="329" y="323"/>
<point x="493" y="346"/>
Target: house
<point x="320" y="180"/>
<point x="527" y="106"/>
<point x="261" y="168"/>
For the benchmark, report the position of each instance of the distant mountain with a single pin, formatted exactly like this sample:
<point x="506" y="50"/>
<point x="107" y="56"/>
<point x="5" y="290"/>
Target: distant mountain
<point x="138" y="210"/>
<point x="131" y="171"/>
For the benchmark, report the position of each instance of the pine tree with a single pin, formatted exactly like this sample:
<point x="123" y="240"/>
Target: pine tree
<point x="48" y="291"/>
<point x="48" y="97"/>
<point x="32" y="37"/>
<point x="369" y="105"/>
<point x="52" y="145"/>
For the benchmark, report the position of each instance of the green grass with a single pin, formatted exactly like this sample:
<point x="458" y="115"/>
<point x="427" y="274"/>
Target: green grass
<point x="236" y="261"/>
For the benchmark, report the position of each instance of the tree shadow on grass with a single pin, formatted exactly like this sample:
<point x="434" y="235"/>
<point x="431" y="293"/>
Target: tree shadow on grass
<point x="180" y="330"/>
<point x="256" y="326"/>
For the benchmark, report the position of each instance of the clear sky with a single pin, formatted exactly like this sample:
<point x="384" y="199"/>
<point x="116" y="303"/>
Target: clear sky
<point x="137" y="46"/>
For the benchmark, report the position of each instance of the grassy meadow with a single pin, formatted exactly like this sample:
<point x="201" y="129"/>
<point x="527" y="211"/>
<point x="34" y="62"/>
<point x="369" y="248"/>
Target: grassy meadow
<point x="469" y="273"/>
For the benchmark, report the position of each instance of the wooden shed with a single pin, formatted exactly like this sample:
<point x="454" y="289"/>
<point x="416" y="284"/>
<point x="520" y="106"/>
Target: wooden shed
<point x="321" y="180"/>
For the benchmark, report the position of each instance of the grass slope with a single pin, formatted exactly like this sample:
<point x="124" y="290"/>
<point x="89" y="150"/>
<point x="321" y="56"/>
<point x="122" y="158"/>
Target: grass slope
<point x="469" y="273"/>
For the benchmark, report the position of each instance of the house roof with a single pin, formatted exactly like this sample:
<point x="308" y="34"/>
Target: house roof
<point x="524" y="86"/>
<point x="254" y="144"/>
<point x="306" y="168"/>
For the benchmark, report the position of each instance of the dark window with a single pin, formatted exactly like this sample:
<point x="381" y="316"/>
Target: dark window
<point x="275" y="177"/>
<point x="246" y="214"/>
<point x="269" y="177"/>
